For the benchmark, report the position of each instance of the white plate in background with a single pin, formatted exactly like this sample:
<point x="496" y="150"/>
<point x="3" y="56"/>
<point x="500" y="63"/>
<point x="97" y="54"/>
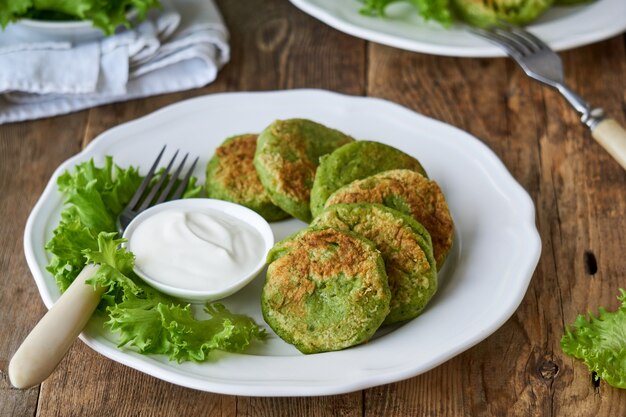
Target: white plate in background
<point x="486" y="275"/>
<point x="562" y="27"/>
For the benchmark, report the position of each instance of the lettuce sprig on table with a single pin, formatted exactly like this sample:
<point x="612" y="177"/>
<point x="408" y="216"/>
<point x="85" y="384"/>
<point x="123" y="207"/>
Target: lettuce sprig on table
<point x="105" y="14"/>
<point x="149" y="321"/>
<point x="600" y="342"/>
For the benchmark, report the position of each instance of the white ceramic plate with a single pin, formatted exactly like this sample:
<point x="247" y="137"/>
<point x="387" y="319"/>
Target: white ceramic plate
<point x="485" y="277"/>
<point x="561" y="27"/>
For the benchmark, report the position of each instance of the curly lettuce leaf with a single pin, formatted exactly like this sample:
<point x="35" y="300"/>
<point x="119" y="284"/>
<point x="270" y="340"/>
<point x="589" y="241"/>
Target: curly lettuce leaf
<point x="106" y="15"/>
<point x="600" y="342"/>
<point x="69" y="240"/>
<point x="171" y="329"/>
<point x="116" y="266"/>
<point x="94" y="197"/>
<point x="112" y="14"/>
<point x="9" y="9"/>
<point x="113" y="185"/>
<point x="438" y="10"/>
<point x="152" y="322"/>
<point x="109" y="253"/>
<point x="155" y="323"/>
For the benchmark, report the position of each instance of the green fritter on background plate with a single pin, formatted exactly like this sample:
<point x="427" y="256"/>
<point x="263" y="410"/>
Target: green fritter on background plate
<point x="406" y="249"/>
<point x="411" y="193"/>
<point x="287" y="156"/>
<point x="325" y="290"/>
<point x="485" y="13"/>
<point x="355" y="161"/>
<point x="481" y="13"/>
<point x="231" y="176"/>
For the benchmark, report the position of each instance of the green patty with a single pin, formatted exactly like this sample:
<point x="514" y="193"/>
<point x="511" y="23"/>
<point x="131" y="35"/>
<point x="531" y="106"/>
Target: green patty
<point x="231" y="176"/>
<point x="325" y="290"/>
<point x="355" y="161"/>
<point x="489" y="13"/>
<point x="406" y="249"/>
<point x="287" y="157"/>
<point x="411" y="193"/>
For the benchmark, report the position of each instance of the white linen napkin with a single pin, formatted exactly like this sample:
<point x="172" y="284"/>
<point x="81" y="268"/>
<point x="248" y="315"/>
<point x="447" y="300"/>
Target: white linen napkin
<point x="179" y="47"/>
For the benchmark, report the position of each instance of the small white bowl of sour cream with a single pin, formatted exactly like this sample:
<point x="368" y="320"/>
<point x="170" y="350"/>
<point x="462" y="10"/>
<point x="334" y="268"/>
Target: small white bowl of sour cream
<point x="199" y="249"/>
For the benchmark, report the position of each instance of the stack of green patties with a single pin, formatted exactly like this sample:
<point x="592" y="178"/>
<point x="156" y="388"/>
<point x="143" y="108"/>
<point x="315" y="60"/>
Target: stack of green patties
<point x="379" y="230"/>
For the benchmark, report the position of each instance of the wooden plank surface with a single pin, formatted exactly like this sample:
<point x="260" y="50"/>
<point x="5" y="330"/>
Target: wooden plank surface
<point x="579" y="193"/>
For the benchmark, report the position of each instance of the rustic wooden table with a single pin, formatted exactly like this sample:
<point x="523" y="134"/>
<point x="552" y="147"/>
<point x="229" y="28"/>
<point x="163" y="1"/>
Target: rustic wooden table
<point x="578" y="190"/>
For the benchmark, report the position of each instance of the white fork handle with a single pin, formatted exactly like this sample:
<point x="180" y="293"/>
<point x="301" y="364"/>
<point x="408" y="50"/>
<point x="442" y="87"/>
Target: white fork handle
<point x="612" y="136"/>
<point x="49" y="341"/>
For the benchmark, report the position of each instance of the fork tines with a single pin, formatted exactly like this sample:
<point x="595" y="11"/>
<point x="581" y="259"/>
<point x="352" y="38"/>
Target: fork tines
<point x="517" y="41"/>
<point x="162" y="189"/>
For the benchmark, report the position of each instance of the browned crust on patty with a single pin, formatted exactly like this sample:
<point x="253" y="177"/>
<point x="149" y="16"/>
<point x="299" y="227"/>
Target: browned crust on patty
<point x="310" y="257"/>
<point x="235" y="169"/>
<point x="423" y="197"/>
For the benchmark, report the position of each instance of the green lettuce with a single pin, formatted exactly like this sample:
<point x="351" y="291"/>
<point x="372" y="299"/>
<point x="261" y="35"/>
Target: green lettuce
<point x="93" y="198"/>
<point x="11" y="9"/>
<point x="106" y="15"/>
<point x="600" y="342"/>
<point x="145" y="319"/>
<point x="438" y="10"/>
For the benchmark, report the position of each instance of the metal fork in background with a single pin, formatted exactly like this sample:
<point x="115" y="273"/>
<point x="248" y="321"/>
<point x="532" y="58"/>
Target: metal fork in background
<point x="52" y="337"/>
<point x="543" y="64"/>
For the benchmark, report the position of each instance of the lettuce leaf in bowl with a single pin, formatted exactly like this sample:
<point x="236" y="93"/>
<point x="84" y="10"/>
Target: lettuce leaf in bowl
<point x="106" y="15"/>
<point x="12" y="10"/>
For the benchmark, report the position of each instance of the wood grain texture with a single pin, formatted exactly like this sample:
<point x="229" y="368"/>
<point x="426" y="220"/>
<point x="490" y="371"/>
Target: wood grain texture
<point x="29" y="153"/>
<point x="272" y="49"/>
<point x="520" y="370"/>
<point x="580" y="195"/>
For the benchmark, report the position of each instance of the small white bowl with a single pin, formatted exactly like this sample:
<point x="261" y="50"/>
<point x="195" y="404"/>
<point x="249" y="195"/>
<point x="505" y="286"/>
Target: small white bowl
<point x="235" y="211"/>
<point x="75" y="31"/>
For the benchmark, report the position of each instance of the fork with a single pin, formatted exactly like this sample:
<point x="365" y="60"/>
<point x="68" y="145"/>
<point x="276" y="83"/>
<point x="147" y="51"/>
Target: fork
<point x="51" y="338"/>
<point x="137" y="204"/>
<point x="541" y="63"/>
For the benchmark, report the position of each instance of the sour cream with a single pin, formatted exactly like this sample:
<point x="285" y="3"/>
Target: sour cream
<point x="195" y="249"/>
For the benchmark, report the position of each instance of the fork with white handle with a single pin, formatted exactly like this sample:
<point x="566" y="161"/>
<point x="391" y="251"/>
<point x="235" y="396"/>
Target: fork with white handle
<point x="543" y="64"/>
<point x="49" y="341"/>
